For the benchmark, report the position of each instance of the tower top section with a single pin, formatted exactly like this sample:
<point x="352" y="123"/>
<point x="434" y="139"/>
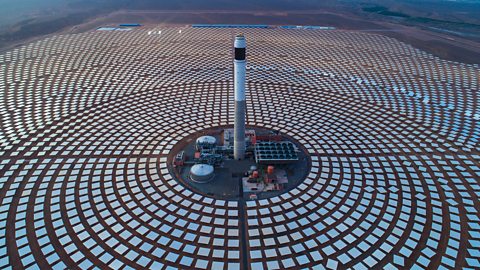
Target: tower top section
<point x="240" y="45"/>
<point x="240" y="41"/>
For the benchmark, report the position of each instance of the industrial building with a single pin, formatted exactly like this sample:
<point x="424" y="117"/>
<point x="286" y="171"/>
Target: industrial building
<point x="92" y="125"/>
<point x="275" y="152"/>
<point x="266" y="154"/>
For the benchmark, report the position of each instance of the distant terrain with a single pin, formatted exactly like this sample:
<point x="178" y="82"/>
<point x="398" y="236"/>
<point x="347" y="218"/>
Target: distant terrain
<point x="460" y="22"/>
<point x="448" y="29"/>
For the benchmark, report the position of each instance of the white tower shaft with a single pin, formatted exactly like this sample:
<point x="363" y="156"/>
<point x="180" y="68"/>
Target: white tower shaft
<point x="239" y="87"/>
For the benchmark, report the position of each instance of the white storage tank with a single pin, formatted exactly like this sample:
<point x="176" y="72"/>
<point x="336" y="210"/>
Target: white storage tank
<point x="202" y="173"/>
<point x="206" y="142"/>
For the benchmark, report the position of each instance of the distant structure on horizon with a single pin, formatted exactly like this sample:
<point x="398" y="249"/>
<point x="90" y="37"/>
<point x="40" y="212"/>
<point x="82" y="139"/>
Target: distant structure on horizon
<point x="239" y="87"/>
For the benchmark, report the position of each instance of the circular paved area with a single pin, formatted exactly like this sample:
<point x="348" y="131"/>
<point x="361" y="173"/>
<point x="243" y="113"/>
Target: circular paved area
<point x="226" y="183"/>
<point x="88" y="120"/>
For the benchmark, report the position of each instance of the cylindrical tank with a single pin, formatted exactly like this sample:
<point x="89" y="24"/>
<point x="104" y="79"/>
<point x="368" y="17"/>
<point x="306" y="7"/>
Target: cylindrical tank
<point x="202" y="173"/>
<point x="270" y="169"/>
<point x="206" y="140"/>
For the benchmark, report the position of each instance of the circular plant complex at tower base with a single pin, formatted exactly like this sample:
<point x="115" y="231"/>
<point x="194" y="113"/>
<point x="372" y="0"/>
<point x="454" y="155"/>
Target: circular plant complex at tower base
<point x="204" y="162"/>
<point x="91" y="125"/>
